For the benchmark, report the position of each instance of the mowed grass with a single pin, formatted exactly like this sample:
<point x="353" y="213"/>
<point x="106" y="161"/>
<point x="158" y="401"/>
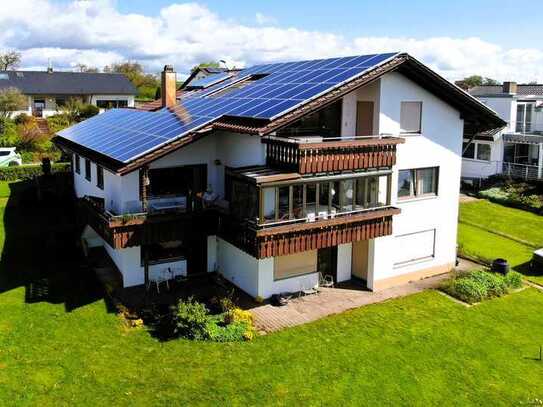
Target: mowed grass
<point x="520" y="232"/>
<point x="419" y="350"/>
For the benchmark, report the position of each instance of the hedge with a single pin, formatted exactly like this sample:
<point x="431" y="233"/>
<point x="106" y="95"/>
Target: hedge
<point x="18" y="172"/>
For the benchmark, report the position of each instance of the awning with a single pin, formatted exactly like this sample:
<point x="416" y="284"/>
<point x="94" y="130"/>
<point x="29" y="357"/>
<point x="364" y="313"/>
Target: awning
<point x="523" y="138"/>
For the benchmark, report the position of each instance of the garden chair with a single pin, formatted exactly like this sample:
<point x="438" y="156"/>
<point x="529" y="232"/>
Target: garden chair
<point x="306" y="288"/>
<point x="158" y="277"/>
<point x="326" y="280"/>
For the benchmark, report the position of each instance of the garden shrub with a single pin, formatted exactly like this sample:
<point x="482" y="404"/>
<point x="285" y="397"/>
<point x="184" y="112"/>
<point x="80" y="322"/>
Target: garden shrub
<point x="518" y="195"/>
<point x="480" y="285"/>
<point x="513" y="279"/>
<point x="22" y="172"/>
<point x="192" y="320"/>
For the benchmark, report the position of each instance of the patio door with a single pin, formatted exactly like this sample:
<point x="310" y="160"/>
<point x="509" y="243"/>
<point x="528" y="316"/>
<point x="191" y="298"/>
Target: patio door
<point x="327" y="262"/>
<point x="360" y="260"/>
<point x="39" y="105"/>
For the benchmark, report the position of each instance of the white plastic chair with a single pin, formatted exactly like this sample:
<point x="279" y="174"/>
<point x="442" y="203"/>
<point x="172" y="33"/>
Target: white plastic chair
<point x="158" y="277"/>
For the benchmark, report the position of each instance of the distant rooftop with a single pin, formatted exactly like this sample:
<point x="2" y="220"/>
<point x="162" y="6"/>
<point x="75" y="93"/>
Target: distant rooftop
<point x="67" y="83"/>
<point x="497" y="90"/>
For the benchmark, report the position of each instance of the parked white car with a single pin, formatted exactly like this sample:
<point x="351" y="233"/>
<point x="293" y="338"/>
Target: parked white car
<point x="9" y="157"/>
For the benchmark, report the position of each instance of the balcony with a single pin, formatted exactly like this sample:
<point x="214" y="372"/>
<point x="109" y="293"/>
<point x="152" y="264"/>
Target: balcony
<point x="312" y="155"/>
<point x="274" y="213"/>
<point x="164" y="221"/>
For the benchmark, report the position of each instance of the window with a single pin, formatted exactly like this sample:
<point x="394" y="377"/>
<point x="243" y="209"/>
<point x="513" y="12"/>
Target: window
<point x="295" y="265"/>
<point x="163" y="252"/>
<point x="77" y="164"/>
<point x="4" y="76"/>
<point x="414" y="247"/>
<point x="99" y="177"/>
<point x="87" y="169"/>
<point x="111" y="104"/>
<point x="417" y="182"/>
<point x="524" y="118"/>
<point x="483" y="152"/>
<point x="60" y="101"/>
<point x="475" y="150"/>
<point x="411" y="117"/>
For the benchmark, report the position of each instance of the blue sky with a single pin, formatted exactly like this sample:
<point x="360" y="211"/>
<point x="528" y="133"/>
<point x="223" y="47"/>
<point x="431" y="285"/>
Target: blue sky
<point x="500" y="21"/>
<point x="497" y="38"/>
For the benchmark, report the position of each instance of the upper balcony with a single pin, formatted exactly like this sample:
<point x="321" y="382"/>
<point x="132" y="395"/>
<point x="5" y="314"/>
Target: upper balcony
<point x="313" y="155"/>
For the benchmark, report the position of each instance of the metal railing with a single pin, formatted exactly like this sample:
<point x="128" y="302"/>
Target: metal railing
<point x="522" y="171"/>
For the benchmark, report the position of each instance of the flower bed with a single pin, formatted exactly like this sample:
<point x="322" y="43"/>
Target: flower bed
<point x="481" y="285"/>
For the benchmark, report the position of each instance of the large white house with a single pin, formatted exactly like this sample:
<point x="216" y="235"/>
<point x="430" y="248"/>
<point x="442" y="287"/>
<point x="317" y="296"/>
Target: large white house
<point x="347" y="167"/>
<point x="47" y="91"/>
<point x="517" y="149"/>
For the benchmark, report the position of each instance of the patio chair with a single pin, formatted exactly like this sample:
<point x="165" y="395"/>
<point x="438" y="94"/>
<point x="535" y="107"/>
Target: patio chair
<point x="306" y="288"/>
<point x="158" y="277"/>
<point x="326" y="280"/>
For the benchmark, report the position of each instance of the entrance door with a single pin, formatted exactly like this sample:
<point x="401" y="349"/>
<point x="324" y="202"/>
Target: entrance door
<point x="364" y="119"/>
<point x="39" y="105"/>
<point x="327" y="262"/>
<point x="360" y="260"/>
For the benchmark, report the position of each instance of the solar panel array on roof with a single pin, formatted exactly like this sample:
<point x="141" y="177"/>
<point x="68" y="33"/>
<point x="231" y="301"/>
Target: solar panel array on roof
<point x="263" y="91"/>
<point x="209" y="80"/>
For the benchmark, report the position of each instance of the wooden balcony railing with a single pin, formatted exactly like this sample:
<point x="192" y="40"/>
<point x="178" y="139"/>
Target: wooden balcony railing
<point x="306" y="156"/>
<point x="139" y="229"/>
<point x="298" y="237"/>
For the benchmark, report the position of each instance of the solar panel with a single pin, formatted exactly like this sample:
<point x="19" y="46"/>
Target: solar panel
<point x="208" y="81"/>
<point x="263" y="92"/>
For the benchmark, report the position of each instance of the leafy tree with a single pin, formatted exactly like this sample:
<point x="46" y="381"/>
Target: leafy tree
<point x="475" y="80"/>
<point x="9" y="60"/>
<point x="11" y="100"/>
<point x="145" y="83"/>
<point x="85" y="68"/>
<point x="75" y="110"/>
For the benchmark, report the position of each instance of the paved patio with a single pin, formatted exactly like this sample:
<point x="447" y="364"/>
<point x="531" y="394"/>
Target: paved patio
<point x="329" y="301"/>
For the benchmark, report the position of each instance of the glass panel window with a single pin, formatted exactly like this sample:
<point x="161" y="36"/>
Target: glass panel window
<point x="468" y="152"/>
<point x="99" y="177"/>
<point x="324" y="197"/>
<point x="283" y="203"/>
<point x="347" y="194"/>
<point x="77" y="164"/>
<point x="483" y="152"/>
<point x="310" y="199"/>
<point x="335" y="193"/>
<point x="297" y="201"/>
<point x="411" y="117"/>
<point x="405" y="183"/>
<point x="361" y="201"/>
<point x="425" y="181"/>
<point x="87" y="169"/>
<point x="268" y="195"/>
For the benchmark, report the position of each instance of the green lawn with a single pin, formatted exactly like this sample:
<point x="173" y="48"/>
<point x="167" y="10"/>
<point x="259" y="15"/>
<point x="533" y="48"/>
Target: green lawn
<point x="520" y="226"/>
<point x="420" y="350"/>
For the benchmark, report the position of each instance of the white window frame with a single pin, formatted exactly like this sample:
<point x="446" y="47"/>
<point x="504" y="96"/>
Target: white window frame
<point x="476" y="151"/>
<point x="415" y="186"/>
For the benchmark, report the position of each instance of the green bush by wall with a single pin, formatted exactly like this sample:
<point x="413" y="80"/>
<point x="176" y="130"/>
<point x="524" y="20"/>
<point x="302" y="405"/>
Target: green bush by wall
<point x="29" y="171"/>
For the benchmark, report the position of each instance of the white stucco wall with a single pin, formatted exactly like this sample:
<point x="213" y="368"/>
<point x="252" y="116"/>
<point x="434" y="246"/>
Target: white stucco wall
<point x="439" y="145"/>
<point x="344" y="261"/>
<point x="473" y="168"/>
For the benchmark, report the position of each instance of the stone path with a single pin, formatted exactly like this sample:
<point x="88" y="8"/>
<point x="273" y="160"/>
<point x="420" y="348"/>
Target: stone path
<point x="467" y="198"/>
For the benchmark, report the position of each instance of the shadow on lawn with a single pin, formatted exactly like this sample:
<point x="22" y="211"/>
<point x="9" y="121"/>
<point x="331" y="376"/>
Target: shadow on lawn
<point x="39" y="250"/>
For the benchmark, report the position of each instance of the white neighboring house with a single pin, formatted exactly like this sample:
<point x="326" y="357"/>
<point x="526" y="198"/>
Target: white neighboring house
<point x="357" y="179"/>
<point x="516" y="150"/>
<point x="47" y="91"/>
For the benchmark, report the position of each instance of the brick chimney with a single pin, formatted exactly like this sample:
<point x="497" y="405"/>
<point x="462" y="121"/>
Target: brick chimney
<point x="510" y="88"/>
<point x="168" y="86"/>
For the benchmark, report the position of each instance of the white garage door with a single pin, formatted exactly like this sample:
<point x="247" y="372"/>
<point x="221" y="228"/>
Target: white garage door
<point x="414" y="246"/>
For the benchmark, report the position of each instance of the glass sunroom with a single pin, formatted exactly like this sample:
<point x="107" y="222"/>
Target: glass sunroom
<point x="266" y="197"/>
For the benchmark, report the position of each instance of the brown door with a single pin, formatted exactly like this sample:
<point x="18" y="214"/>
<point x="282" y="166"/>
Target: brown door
<point x="360" y="260"/>
<point x="364" y="119"/>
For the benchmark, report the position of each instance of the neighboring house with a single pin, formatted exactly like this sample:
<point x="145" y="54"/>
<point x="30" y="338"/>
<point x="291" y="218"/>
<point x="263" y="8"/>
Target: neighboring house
<point x="516" y="150"/>
<point x="47" y="91"/>
<point x="345" y="166"/>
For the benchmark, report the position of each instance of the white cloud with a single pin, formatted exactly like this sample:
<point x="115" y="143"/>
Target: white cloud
<point x="96" y="33"/>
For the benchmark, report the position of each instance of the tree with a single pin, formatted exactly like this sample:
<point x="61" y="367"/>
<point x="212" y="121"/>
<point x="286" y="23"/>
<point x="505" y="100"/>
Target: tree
<point x="145" y="83"/>
<point x="209" y="64"/>
<point x="11" y="100"/>
<point x="85" y="68"/>
<point x="9" y="60"/>
<point x="475" y="80"/>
